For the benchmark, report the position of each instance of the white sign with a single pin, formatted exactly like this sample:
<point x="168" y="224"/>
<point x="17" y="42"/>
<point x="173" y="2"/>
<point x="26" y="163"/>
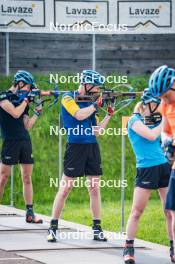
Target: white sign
<point x="71" y="12"/>
<point x="22" y="14"/>
<point x="145" y="14"/>
<point x="88" y="16"/>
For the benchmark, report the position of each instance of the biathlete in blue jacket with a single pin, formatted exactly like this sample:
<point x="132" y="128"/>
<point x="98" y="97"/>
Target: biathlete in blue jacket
<point x="15" y="124"/>
<point x="153" y="170"/>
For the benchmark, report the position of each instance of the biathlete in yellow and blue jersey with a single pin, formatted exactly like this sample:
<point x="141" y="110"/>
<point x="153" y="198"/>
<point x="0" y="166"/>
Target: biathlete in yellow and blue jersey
<point x="82" y="155"/>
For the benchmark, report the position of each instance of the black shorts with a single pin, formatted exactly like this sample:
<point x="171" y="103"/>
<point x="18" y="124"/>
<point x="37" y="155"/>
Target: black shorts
<point x="82" y="159"/>
<point x="170" y="200"/>
<point x="17" y="151"/>
<point x="153" y="177"/>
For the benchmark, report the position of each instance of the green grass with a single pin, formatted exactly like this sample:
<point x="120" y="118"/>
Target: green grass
<point x="151" y="228"/>
<point x="45" y="150"/>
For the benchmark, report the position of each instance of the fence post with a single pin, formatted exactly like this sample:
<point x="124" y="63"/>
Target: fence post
<point x="122" y="188"/>
<point x="124" y="125"/>
<point x="60" y="148"/>
<point x="93" y="52"/>
<point x="7" y="53"/>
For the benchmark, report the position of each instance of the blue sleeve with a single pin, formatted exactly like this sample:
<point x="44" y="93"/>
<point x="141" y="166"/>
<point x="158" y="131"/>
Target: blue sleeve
<point x="133" y="119"/>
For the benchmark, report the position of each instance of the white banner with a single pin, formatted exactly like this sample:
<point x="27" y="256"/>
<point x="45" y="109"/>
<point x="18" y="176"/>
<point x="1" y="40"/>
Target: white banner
<point x="145" y="15"/>
<point x="88" y="17"/>
<point x="71" y="12"/>
<point x="22" y="14"/>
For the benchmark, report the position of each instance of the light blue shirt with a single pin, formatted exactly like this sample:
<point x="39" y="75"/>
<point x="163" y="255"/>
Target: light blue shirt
<point x="148" y="153"/>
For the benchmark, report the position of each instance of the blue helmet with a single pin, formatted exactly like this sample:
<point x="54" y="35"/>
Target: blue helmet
<point x="25" y="77"/>
<point x="161" y="80"/>
<point x="92" y="77"/>
<point x="147" y="97"/>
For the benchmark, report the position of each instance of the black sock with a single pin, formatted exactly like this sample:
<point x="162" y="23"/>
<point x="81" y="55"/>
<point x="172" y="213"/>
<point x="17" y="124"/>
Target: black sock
<point x="130" y="242"/>
<point x="96" y="222"/>
<point x="29" y="207"/>
<point x="54" y="223"/>
<point x="171" y="243"/>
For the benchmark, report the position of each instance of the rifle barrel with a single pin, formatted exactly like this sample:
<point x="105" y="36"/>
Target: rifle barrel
<point x="45" y="93"/>
<point x="106" y="95"/>
<point x="51" y="92"/>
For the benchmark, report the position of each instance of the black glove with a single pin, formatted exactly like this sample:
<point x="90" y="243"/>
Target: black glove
<point x="153" y="119"/>
<point x="3" y="96"/>
<point x="30" y="97"/>
<point x="169" y="149"/>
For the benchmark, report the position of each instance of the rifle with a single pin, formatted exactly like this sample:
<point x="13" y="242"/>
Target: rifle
<point x="39" y="94"/>
<point x="116" y="99"/>
<point x="110" y="97"/>
<point x="107" y="96"/>
<point x="34" y="95"/>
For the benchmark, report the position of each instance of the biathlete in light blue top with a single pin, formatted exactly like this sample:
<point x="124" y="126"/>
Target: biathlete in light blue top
<point x="153" y="170"/>
<point x="148" y="152"/>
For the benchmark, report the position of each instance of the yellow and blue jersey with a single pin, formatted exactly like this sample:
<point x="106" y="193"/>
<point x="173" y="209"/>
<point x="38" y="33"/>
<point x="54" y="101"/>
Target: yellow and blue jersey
<point x="79" y="132"/>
